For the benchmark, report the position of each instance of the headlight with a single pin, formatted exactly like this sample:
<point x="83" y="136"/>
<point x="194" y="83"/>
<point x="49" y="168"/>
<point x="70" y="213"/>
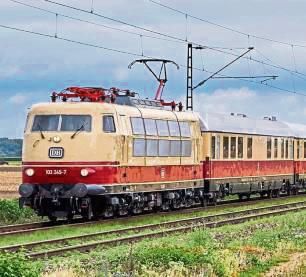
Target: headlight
<point x="26" y="190"/>
<point x="84" y="172"/>
<point x="57" y="139"/>
<point x="30" y="172"/>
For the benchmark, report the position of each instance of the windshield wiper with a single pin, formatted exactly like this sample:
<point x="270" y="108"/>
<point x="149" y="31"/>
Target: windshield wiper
<point x="40" y="130"/>
<point x="79" y="129"/>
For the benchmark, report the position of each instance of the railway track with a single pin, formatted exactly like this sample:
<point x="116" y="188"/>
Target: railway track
<point x="20" y="229"/>
<point x="122" y="236"/>
<point x="28" y="228"/>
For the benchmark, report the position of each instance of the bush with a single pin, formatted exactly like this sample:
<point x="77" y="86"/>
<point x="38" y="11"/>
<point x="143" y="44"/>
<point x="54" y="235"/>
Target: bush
<point x="17" y="264"/>
<point x="10" y="211"/>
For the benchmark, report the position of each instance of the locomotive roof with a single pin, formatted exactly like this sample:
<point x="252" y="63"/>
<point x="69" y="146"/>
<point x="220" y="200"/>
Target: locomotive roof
<point x="241" y="124"/>
<point x="90" y="107"/>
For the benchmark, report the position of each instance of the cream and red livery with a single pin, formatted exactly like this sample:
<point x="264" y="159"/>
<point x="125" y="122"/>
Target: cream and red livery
<point x="111" y="153"/>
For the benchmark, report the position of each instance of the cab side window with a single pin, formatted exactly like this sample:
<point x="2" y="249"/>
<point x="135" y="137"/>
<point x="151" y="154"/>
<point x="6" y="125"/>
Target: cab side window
<point x="109" y="124"/>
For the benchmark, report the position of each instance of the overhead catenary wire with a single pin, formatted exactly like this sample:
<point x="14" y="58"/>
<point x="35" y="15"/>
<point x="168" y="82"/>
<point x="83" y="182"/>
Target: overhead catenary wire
<point x="115" y="28"/>
<point x="226" y="27"/>
<point x="91" y="22"/>
<point x="171" y="36"/>
<point x="70" y="40"/>
<point x="135" y="55"/>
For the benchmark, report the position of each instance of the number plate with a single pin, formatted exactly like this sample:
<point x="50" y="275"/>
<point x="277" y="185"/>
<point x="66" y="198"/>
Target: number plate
<point x="56" y="152"/>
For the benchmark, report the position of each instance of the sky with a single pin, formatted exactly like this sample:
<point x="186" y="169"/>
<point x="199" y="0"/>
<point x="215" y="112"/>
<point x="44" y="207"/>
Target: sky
<point x="32" y="67"/>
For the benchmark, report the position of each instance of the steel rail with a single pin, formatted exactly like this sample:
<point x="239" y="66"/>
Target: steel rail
<point x="187" y="227"/>
<point x="28" y="228"/>
<point x="169" y="224"/>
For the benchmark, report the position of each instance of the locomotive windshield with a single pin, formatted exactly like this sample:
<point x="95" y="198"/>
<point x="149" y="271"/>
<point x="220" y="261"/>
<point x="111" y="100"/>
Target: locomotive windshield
<point x="64" y="123"/>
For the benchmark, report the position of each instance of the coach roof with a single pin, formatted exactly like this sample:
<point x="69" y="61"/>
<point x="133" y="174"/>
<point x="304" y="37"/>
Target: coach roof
<point x="214" y="122"/>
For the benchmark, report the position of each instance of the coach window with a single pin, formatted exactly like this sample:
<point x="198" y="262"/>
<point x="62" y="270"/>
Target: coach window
<point x="225" y="147"/>
<point x="250" y="148"/>
<point x="174" y="128"/>
<point x="304" y="149"/>
<point x="233" y="147"/>
<point x="217" y="147"/>
<point x="150" y="127"/>
<point x="269" y="145"/>
<point x="109" y="124"/>
<point x="175" y="148"/>
<point x="162" y="128"/>
<point x="240" y="147"/>
<point x="139" y="148"/>
<point x="286" y="149"/>
<point x="185" y="129"/>
<point x="163" y="148"/>
<point x="186" y="148"/>
<point x="275" y="148"/>
<point x="137" y="126"/>
<point x="213" y="147"/>
<point x="152" y="147"/>
<point x="290" y="149"/>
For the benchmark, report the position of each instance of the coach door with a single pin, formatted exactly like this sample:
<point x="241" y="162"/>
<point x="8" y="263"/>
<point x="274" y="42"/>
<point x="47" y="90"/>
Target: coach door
<point x="124" y="137"/>
<point x="124" y="147"/>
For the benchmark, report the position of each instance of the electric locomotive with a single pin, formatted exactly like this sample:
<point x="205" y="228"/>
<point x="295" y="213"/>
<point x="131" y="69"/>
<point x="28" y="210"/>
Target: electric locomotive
<point x="109" y="153"/>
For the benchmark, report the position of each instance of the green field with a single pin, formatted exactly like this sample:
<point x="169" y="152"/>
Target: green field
<point x="12" y="160"/>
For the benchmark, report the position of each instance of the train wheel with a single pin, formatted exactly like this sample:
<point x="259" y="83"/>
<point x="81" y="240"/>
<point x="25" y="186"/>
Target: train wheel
<point x="240" y="196"/>
<point x="214" y="200"/>
<point x="189" y="202"/>
<point x="204" y="202"/>
<point x="123" y="211"/>
<point x="277" y="193"/>
<point x="52" y="218"/>
<point x="269" y="194"/>
<point x="70" y="217"/>
<point x="109" y="211"/>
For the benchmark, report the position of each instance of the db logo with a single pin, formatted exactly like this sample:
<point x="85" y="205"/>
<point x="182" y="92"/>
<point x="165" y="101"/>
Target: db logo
<point x="162" y="172"/>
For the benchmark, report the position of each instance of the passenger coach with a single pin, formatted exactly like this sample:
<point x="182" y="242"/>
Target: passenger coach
<point x="246" y="156"/>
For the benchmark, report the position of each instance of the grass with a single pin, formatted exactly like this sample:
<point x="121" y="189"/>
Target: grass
<point x="11" y="213"/>
<point x="15" y="163"/>
<point x="246" y="249"/>
<point x="64" y="231"/>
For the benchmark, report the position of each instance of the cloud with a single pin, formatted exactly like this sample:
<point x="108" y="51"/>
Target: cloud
<point x="121" y="73"/>
<point x="18" y="99"/>
<point x="253" y="103"/>
<point x="8" y="71"/>
<point x="31" y="64"/>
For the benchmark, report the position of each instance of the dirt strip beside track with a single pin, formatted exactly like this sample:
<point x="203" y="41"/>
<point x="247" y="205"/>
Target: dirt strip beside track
<point x="10" y="179"/>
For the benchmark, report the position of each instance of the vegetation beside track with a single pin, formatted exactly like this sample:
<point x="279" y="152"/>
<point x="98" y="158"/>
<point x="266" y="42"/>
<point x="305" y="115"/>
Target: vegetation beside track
<point x="66" y="230"/>
<point x="18" y="265"/>
<point x="246" y="249"/>
<point x="11" y="213"/>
